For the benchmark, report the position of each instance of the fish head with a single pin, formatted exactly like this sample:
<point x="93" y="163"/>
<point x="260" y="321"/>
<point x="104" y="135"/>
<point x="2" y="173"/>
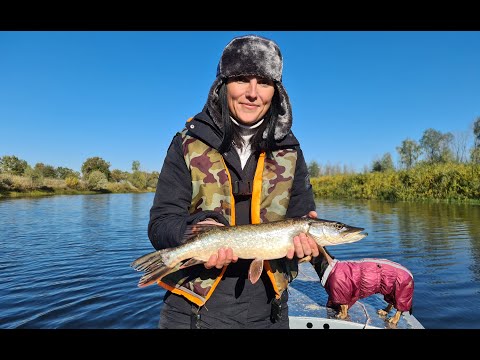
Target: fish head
<point x="327" y="232"/>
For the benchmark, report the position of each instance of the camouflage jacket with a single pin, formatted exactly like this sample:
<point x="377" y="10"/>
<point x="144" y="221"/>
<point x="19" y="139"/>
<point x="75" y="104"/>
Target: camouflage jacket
<point x="211" y="176"/>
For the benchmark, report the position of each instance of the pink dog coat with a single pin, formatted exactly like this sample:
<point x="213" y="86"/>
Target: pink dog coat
<point x="347" y="281"/>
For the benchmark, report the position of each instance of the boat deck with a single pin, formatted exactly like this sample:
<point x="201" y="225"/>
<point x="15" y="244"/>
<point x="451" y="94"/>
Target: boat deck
<point x="306" y="304"/>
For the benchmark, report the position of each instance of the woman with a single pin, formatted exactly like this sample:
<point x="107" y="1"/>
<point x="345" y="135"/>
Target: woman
<point x="243" y="133"/>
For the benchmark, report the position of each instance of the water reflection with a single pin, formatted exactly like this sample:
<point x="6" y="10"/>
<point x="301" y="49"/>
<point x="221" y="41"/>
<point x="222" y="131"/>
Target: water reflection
<point x="65" y="259"/>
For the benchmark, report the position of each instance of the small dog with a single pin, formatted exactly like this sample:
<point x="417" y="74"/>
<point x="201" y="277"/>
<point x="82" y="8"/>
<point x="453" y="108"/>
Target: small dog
<point x="348" y="281"/>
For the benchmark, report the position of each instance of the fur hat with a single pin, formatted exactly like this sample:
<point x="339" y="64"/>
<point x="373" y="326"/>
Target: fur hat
<point x="253" y="55"/>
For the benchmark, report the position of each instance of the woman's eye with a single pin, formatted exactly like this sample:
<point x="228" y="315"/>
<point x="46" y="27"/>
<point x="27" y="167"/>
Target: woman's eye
<point x="264" y="82"/>
<point x="240" y="80"/>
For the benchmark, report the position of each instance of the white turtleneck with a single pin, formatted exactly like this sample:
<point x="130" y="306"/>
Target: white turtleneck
<point x="244" y="150"/>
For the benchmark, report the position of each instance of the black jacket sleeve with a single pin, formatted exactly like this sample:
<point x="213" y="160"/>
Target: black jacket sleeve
<point x="169" y="214"/>
<point x="301" y="198"/>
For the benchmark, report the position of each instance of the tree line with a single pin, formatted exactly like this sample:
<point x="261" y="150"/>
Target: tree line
<point x="434" y="147"/>
<point x="18" y="176"/>
<point x="437" y="167"/>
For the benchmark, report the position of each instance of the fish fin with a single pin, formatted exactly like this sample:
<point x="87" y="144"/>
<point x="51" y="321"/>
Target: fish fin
<point x="153" y="266"/>
<point x="195" y="229"/>
<point x="191" y="262"/>
<point x="152" y="276"/>
<point x="147" y="260"/>
<point x="255" y="270"/>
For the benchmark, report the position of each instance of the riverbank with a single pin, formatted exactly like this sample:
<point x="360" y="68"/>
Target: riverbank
<point x="13" y="186"/>
<point x="448" y="182"/>
<point x="55" y="192"/>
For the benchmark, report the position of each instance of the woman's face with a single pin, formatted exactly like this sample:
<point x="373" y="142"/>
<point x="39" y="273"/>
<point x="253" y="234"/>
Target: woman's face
<point x="249" y="98"/>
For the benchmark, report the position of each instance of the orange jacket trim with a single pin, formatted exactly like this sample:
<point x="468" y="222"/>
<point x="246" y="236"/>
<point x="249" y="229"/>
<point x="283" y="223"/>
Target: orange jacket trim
<point x="257" y="190"/>
<point x="197" y="301"/>
<point x="255" y="212"/>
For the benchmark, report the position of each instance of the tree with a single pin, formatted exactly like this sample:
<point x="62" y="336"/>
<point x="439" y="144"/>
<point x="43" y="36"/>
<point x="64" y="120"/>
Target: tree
<point x="476" y="132"/>
<point x="436" y="146"/>
<point x="152" y="179"/>
<point x="135" y="165"/>
<point x="138" y="179"/>
<point x="475" y="155"/>
<point x="347" y="169"/>
<point x="459" y="146"/>
<point x="330" y="169"/>
<point x="12" y="165"/>
<point x="384" y="164"/>
<point x="63" y="173"/>
<point x="446" y="153"/>
<point x="35" y="175"/>
<point x="313" y="169"/>
<point x="95" y="163"/>
<point x="409" y="152"/>
<point x="47" y="171"/>
<point x="117" y="175"/>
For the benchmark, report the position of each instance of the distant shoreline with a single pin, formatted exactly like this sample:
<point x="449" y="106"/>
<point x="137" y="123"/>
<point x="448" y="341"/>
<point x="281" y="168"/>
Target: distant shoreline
<point x="59" y="192"/>
<point x="448" y="182"/>
<point x="16" y="187"/>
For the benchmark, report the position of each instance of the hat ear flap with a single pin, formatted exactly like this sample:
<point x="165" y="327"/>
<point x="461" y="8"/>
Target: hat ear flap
<point x="213" y="103"/>
<point x="284" y="113"/>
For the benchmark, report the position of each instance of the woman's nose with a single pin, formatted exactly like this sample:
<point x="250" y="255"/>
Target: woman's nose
<point x="252" y="88"/>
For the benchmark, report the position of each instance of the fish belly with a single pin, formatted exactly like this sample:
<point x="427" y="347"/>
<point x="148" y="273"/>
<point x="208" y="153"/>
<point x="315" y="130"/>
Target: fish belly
<point x="251" y="245"/>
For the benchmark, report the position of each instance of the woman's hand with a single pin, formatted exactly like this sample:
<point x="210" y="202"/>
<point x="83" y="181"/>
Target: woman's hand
<point x="224" y="256"/>
<point x="304" y="245"/>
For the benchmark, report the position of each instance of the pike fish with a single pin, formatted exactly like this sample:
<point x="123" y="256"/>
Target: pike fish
<point x="265" y="241"/>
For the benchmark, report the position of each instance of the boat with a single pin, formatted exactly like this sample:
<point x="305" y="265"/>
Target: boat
<point x="307" y="310"/>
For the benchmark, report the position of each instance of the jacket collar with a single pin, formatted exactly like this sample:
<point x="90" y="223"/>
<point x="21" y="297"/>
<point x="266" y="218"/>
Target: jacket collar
<point x="206" y="130"/>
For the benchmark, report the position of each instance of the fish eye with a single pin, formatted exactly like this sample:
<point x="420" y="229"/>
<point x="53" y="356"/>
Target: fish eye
<point x="339" y="226"/>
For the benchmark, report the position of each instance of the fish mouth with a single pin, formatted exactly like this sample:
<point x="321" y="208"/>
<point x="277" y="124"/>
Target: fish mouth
<point x="354" y="230"/>
<point x="354" y="234"/>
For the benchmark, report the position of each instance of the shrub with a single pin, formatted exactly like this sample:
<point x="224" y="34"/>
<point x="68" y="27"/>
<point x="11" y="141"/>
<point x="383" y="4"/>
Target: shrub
<point x="6" y="183"/>
<point x="72" y="182"/>
<point x="97" y="180"/>
<point x="139" y="180"/>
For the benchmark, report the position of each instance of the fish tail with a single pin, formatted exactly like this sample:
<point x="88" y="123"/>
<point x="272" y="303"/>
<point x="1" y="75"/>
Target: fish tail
<point x="145" y="261"/>
<point x="152" y="276"/>
<point x="154" y="267"/>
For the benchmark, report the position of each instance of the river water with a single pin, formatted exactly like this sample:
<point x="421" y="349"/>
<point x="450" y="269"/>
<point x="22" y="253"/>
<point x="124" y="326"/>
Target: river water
<point x="64" y="260"/>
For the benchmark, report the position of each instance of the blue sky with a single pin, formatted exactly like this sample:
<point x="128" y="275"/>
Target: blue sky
<point x="66" y="96"/>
